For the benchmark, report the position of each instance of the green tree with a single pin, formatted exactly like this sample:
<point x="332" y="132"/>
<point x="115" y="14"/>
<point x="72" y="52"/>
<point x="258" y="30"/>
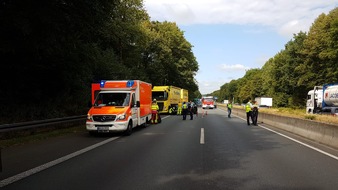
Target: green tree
<point x="168" y="56"/>
<point x="308" y="60"/>
<point x="321" y="51"/>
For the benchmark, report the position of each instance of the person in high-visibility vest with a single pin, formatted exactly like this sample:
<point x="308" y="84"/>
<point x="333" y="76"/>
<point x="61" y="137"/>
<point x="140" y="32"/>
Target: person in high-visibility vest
<point x="184" y="110"/>
<point x="172" y="110"/>
<point x="248" y="110"/>
<point x="154" y="112"/>
<point x="179" y="108"/>
<point x="229" y="109"/>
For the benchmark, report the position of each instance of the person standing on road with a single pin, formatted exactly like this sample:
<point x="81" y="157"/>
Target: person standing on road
<point x="184" y="110"/>
<point x="248" y="110"/>
<point x="154" y="112"/>
<point x="179" y="108"/>
<point x="195" y="108"/>
<point x="191" y="111"/>
<point x="255" y="113"/>
<point x="229" y="109"/>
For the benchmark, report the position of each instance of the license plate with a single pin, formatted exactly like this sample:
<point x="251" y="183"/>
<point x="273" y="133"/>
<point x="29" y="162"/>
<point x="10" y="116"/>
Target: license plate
<point x="103" y="129"/>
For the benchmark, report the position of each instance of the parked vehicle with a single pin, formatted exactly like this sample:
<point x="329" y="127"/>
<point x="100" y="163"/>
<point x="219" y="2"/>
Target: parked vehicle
<point x="119" y="106"/>
<point x="198" y="102"/>
<point x="184" y="95"/>
<point x="166" y="97"/>
<point x="208" y="102"/>
<point x="264" y="101"/>
<point x="323" y="99"/>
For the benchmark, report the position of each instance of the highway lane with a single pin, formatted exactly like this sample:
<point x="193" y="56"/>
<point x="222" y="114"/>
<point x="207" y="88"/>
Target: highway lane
<point x="170" y="156"/>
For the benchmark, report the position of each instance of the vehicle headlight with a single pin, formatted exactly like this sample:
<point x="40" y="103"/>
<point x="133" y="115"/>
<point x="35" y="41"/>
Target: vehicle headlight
<point x="121" y="117"/>
<point x="89" y="117"/>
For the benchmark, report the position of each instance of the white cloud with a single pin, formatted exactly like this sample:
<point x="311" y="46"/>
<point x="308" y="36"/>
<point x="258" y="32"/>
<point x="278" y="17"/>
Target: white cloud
<point x="210" y="86"/>
<point x="285" y="16"/>
<point x="233" y="68"/>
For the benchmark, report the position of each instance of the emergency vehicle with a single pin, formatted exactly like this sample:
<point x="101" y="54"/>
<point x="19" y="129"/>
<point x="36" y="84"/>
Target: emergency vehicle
<point x="119" y="106"/>
<point x="208" y="102"/>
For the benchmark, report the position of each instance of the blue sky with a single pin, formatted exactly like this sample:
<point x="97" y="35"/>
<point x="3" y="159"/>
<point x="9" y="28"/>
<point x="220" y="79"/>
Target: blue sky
<point x="232" y="36"/>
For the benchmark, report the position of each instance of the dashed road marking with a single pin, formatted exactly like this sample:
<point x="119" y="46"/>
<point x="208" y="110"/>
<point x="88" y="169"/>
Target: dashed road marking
<point x="202" y="136"/>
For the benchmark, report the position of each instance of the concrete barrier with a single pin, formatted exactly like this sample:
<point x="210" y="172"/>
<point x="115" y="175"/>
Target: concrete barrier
<point x="323" y="133"/>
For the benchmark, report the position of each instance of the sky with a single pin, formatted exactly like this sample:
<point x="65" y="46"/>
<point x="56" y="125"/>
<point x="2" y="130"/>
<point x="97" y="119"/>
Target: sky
<point x="230" y="37"/>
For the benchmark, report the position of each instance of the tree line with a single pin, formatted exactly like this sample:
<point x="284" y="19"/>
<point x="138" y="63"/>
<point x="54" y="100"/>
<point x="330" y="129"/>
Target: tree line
<point x="309" y="59"/>
<point x="51" y="51"/>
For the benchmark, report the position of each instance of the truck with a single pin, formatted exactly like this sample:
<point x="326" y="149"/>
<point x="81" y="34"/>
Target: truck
<point x="184" y="95"/>
<point x="323" y="99"/>
<point x="208" y="102"/>
<point x="264" y="101"/>
<point x="119" y="106"/>
<point x="198" y="102"/>
<point x="166" y="97"/>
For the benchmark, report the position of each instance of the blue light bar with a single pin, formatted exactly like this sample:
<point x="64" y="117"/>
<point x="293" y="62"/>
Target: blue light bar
<point x="102" y="83"/>
<point x="130" y="83"/>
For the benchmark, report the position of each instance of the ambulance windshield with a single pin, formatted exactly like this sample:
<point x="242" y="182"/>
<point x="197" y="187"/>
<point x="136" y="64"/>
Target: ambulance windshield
<point x="112" y="99"/>
<point x="208" y="100"/>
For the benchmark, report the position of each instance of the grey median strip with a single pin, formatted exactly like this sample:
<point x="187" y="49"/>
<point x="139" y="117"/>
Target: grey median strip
<point x="51" y="163"/>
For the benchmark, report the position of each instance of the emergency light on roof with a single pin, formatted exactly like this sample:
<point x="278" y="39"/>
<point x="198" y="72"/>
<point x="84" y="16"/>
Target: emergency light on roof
<point x="130" y="83"/>
<point x="102" y="83"/>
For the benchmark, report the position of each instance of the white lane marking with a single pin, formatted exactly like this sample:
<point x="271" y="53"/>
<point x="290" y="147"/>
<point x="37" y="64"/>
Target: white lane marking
<point x="51" y="163"/>
<point x="297" y="141"/>
<point x="202" y="136"/>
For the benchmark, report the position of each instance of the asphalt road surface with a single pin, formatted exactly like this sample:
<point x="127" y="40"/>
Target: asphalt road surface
<point x="209" y="152"/>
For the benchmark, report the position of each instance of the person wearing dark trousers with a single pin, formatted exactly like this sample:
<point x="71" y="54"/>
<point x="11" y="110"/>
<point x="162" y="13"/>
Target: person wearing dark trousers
<point x="229" y="109"/>
<point x="184" y="110"/>
<point x="248" y="110"/>
<point x="190" y="110"/>
<point x="255" y="113"/>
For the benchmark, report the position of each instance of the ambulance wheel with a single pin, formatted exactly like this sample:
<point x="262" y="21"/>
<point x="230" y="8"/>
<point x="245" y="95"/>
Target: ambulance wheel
<point x="129" y="130"/>
<point x="144" y="125"/>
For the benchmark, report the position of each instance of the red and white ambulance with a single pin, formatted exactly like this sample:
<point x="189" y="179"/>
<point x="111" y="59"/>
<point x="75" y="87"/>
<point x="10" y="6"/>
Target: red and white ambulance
<point x="119" y="106"/>
<point x="208" y="102"/>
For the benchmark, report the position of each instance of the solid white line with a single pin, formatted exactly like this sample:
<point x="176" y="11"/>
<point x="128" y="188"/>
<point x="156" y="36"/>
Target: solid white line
<point x="51" y="163"/>
<point x="202" y="136"/>
<point x="297" y="141"/>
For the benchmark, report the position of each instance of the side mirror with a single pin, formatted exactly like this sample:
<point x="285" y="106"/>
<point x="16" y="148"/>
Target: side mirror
<point x="138" y="104"/>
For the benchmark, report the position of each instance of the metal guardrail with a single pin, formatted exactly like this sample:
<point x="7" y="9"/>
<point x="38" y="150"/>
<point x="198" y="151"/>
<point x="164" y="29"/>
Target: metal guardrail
<point x="40" y="123"/>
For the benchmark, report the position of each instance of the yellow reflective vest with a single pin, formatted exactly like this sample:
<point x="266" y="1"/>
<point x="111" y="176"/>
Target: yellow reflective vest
<point x="247" y="107"/>
<point x="154" y="107"/>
